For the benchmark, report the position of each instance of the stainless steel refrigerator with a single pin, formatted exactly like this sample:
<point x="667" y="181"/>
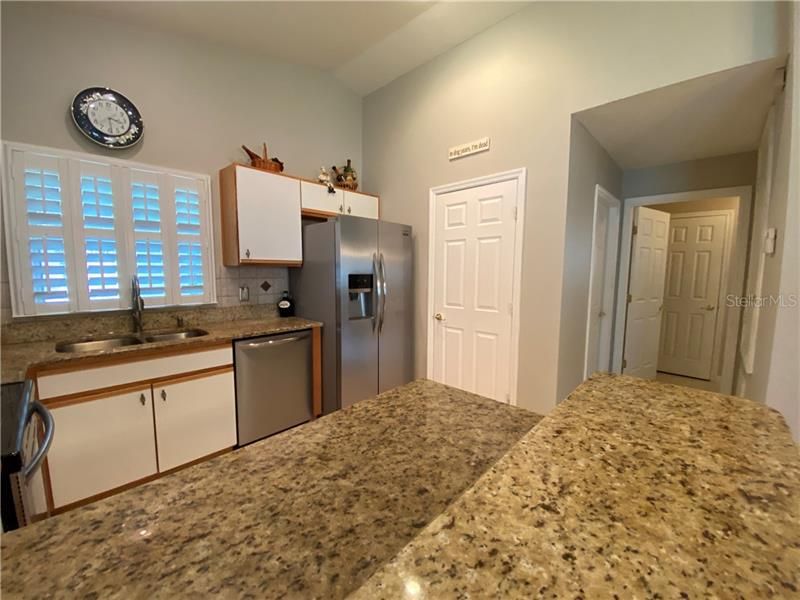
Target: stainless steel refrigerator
<point x="356" y="279"/>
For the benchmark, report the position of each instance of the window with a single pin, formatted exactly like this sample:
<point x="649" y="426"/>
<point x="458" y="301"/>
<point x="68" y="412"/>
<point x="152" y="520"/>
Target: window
<point x="78" y="229"/>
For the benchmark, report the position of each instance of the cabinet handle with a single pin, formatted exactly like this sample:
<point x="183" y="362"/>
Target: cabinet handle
<point x="142" y="399"/>
<point x="341" y="208"/>
<point x="349" y="209"/>
<point x="247" y="253"/>
<point x="164" y="395"/>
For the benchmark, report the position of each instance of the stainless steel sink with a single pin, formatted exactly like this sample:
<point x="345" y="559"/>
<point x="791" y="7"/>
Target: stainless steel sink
<point x="175" y="334"/>
<point x="98" y="343"/>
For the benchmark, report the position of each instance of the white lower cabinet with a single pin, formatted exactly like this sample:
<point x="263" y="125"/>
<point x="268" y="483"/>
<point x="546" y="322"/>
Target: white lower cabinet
<point x="105" y="440"/>
<point x="194" y="418"/>
<point x="100" y="444"/>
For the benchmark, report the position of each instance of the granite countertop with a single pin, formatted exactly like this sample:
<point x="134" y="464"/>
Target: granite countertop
<point x="309" y="513"/>
<point x="631" y="489"/>
<point x="16" y="359"/>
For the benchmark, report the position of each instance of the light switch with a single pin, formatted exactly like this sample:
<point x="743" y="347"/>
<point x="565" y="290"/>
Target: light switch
<point x="769" y="241"/>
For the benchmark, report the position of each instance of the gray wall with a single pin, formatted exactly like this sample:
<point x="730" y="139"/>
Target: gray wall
<point x="199" y="102"/>
<point x="718" y="172"/>
<point x="776" y="378"/>
<point x="519" y="82"/>
<point x="589" y="165"/>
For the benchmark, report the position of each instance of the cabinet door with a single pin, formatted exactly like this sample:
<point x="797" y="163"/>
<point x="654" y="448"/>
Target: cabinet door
<point x="268" y="215"/>
<point x="316" y="197"/>
<point x="194" y="418"/>
<point x="361" y="205"/>
<point x="101" y="444"/>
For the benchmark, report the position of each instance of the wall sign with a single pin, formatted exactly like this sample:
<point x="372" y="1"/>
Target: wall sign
<point x="462" y="150"/>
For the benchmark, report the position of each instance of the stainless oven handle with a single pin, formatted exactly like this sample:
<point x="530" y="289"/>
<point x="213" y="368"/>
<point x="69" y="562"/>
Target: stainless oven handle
<point x="271" y="343"/>
<point x="49" y="427"/>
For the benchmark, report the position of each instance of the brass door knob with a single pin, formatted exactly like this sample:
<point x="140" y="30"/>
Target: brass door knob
<point x="709" y="307"/>
<point x="438" y="317"/>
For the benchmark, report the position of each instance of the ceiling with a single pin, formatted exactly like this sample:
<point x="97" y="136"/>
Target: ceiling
<point x="364" y="44"/>
<point x="714" y="115"/>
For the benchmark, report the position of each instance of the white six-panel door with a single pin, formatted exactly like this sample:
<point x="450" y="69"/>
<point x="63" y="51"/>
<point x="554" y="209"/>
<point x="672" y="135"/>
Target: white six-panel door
<point x="473" y="241"/>
<point x="694" y="275"/>
<point x="646" y="292"/>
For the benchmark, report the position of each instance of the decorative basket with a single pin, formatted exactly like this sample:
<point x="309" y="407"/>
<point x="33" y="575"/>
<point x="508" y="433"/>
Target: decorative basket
<point x="264" y="163"/>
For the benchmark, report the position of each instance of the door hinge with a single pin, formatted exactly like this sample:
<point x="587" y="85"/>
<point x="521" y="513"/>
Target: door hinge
<point x="624" y="363"/>
<point x="516" y="209"/>
<point x="635" y="229"/>
<point x="630" y="298"/>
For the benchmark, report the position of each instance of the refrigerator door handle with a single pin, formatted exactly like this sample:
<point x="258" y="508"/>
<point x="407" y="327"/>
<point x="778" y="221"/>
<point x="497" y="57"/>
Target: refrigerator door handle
<point x="376" y="271"/>
<point x="384" y="292"/>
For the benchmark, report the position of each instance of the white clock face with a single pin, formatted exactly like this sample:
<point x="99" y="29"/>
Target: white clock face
<point x="108" y="117"/>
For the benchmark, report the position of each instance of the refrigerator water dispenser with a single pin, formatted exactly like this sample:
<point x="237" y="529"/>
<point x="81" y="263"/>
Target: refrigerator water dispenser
<point x="359" y="291"/>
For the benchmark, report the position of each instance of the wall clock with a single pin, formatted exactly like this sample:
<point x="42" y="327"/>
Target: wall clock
<point x="107" y="117"/>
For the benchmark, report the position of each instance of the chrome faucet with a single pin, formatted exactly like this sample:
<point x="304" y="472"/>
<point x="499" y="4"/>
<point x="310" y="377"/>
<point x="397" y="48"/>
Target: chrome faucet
<point x="137" y="308"/>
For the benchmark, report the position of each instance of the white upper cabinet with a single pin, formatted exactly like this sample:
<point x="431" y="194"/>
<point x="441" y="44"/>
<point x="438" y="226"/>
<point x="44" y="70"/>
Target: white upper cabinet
<point x="317" y="198"/>
<point x="260" y="217"/>
<point x="361" y="205"/>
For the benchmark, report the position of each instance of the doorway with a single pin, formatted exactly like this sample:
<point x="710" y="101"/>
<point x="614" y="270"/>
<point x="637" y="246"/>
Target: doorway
<point x="602" y="282"/>
<point x="692" y="337"/>
<point x="475" y="248"/>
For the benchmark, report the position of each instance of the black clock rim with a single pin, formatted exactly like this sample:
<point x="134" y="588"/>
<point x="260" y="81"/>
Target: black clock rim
<point x="123" y="101"/>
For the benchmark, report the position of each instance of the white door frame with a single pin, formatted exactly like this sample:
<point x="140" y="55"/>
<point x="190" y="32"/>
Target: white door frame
<point x="603" y="196"/>
<point x="736" y="281"/>
<point x="520" y="176"/>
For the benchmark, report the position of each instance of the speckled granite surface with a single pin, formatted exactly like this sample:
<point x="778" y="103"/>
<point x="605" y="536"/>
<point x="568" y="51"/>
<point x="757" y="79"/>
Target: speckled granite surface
<point x="15" y="359"/>
<point x="629" y="489"/>
<point x="310" y="513"/>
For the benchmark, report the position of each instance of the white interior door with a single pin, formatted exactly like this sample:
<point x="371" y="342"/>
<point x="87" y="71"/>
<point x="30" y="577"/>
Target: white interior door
<point x="602" y="279"/>
<point x="645" y="292"/>
<point x="694" y="275"/>
<point x="473" y="262"/>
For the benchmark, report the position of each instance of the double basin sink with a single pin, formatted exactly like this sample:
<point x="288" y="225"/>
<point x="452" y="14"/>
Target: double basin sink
<point x="118" y="341"/>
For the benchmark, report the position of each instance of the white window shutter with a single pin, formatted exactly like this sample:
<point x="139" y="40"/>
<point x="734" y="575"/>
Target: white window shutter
<point x="147" y="212"/>
<point x="79" y="229"/>
<point x="192" y="241"/>
<point x="99" y="243"/>
<point x="39" y="230"/>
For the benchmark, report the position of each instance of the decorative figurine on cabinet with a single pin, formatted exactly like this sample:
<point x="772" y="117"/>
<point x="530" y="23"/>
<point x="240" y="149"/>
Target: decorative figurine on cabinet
<point x="325" y="178"/>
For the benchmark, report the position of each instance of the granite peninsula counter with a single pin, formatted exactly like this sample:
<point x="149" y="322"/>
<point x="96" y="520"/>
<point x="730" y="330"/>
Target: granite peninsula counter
<point x="629" y="489"/>
<point x="309" y="513"/>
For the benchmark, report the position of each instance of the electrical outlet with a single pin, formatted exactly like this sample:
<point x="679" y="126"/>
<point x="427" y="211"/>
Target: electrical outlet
<point x="244" y="293"/>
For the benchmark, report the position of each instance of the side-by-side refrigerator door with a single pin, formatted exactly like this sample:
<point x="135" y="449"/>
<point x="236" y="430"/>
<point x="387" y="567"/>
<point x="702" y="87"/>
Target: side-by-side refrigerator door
<point x="396" y="316"/>
<point x="357" y="272"/>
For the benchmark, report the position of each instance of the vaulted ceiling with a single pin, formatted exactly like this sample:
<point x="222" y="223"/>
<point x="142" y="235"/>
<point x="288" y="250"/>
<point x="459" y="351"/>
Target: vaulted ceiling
<point x="364" y="44"/>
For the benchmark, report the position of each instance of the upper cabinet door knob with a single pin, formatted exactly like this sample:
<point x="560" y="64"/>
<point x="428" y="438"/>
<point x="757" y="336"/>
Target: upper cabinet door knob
<point x="247" y="253"/>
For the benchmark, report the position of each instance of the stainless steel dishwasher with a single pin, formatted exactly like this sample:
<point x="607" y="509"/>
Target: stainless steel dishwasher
<point x="273" y="384"/>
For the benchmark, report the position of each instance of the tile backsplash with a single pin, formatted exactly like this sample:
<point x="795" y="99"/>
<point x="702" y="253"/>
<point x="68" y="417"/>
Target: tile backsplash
<point x="261" y="304"/>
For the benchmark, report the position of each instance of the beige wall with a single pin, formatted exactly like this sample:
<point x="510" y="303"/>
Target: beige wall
<point x="199" y="102"/>
<point x="775" y="373"/>
<point x="519" y="82"/>
<point x="732" y="170"/>
<point x="589" y="165"/>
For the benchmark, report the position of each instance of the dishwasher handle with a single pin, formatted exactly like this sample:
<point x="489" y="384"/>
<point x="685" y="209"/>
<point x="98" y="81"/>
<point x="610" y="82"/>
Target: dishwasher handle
<point x="271" y="343"/>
